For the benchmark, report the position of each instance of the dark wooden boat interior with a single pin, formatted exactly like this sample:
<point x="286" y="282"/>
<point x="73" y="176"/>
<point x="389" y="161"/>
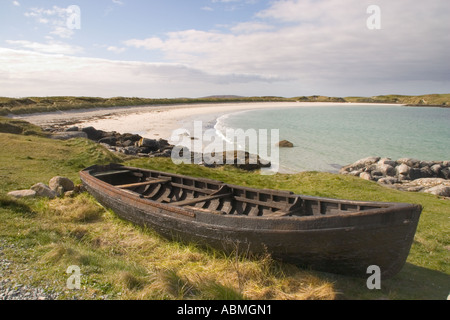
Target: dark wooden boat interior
<point x="220" y="198"/>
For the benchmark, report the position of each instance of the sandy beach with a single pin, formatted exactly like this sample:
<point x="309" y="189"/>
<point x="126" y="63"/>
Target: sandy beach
<point x="153" y="121"/>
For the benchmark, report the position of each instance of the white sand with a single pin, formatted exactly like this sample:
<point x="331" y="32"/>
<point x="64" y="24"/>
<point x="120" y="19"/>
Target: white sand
<point x="154" y="121"/>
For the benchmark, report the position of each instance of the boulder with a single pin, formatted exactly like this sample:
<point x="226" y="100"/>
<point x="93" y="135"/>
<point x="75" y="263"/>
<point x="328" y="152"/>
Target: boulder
<point x="61" y="184"/>
<point x="388" y="180"/>
<point x="386" y="169"/>
<point x="436" y="168"/>
<point x="74" y="128"/>
<point x="22" y="194"/>
<point x="441" y="190"/>
<point x="410" y="162"/>
<point x="445" y="173"/>
<point x="362" y="163"/>
<point x="151" y="144"/>
<point x="108" y="140"/>
<point x="403" y="169"/>
<point x="415" y="173"/>
<point x="285" y="144"/>
<point x="66" y="135"/>
<point x="43" y="190"/>
<point x="388" y="161"/>
<point x="92" y="133"/>
<point x="365" y="176"/>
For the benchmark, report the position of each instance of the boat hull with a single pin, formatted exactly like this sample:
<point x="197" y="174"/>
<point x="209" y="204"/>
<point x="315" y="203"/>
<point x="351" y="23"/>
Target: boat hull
<point x="344" y="244"/>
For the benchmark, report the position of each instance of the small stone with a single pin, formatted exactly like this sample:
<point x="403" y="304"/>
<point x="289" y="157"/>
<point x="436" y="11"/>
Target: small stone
<point x="43" y="190"/>
<point x="22" y="194"/>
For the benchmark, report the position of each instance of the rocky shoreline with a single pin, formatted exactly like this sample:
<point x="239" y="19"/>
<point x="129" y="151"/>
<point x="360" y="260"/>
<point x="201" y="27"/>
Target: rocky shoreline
<point x="404" y="174"/>
<point x="135" y="145"/>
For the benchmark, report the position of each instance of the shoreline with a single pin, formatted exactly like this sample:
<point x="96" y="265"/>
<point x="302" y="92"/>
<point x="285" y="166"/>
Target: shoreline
<point x="158" y="121"/>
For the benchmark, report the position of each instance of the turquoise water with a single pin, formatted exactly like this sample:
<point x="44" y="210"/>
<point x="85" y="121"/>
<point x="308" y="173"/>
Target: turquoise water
<point x="326" y="138"/>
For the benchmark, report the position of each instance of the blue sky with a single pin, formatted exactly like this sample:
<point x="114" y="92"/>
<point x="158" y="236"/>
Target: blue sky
<point x="198" y="48"/>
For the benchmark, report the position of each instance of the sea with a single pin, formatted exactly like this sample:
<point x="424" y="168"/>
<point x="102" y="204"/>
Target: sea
<point x="326" y="137"/>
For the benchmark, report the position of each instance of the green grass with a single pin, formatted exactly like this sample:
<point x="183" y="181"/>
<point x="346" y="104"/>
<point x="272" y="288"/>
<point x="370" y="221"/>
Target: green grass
<point x="48" y="104"/>
<point x="124" y="261"/>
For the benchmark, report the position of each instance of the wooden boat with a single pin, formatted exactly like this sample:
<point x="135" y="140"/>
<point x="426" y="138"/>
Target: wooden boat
<point x="336" y="236"/>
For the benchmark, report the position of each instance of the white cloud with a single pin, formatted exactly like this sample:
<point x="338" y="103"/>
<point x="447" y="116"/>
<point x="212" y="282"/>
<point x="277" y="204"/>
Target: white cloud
<point x="16" y="3"/>
<point x="51" y="46"/>
<point x="25" y="73"/>
<point x="55" y="18"/>
<point x="116" y="49"/>
<point x="323" y="42"/>
<point x="251" y="27"/>
<point x="290" y="48"/>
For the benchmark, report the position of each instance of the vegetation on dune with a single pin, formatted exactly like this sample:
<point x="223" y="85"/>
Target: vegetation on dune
<point x="119" y="260"/>
<point x="48" y="104"/>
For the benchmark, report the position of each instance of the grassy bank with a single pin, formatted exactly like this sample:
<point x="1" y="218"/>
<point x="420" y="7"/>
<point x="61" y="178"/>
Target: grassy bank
<point x="121" y="261"/>
<point x="48" y="104"/>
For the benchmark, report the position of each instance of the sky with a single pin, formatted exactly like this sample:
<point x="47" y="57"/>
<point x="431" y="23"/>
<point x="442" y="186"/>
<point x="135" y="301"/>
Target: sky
<point x="198" y="48"/>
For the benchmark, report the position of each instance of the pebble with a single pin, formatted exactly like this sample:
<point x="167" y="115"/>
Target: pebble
<point x="10" y="290"/>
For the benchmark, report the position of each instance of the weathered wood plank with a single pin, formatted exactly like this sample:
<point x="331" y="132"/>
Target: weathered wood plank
<point x="145" y="183"/>
<point x="200" y="199"/>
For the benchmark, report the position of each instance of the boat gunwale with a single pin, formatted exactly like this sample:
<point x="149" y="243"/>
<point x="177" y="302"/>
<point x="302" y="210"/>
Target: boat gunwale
<point x="380" y="207"/>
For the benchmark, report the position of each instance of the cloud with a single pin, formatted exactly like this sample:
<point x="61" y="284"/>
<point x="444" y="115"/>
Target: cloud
<point x="56" y="18"/>
<point x="116" y="49"/>
<point x="16" y="3"/>
<point x="25" y="73"/>
<point x="54" y="47"/>
<point x="321" y="42"/>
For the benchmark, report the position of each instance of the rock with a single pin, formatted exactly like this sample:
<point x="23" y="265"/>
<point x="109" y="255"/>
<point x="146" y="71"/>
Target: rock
<point x="413" y="163"/>
<point x="445" y="173"/>
<point x="92" y="133"/>
<point x="126" y="143"/>
<point x="68" y="135"/>
<point x="151" y="144"/>
<point x="61" y="184"/>
<point x="388" y="161"/>
<point x="131" y="137"/>
<point x="366" y="176"/>
<point x="43" y="190"/>
<point x="22" y="194"/>
<point x="72" y="129"/>
<point x="108" y="140"/>
<point x="436" y="168"/>
<point x="388" y="180"/>
<point x="361" y="164"/>
<point x="403" y="169"/>
<point x="131" y="150"/>
<point x="415" y="173"/>
<point x="426" y="172"/>
<point x="386" y="169"/>
<point x="285" y="144"/>
<point x="441" y="190"/>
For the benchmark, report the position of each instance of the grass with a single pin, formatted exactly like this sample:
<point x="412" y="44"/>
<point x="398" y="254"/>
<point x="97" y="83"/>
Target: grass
<point x="122" y="261"/>
<point x="48" y="104"/>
